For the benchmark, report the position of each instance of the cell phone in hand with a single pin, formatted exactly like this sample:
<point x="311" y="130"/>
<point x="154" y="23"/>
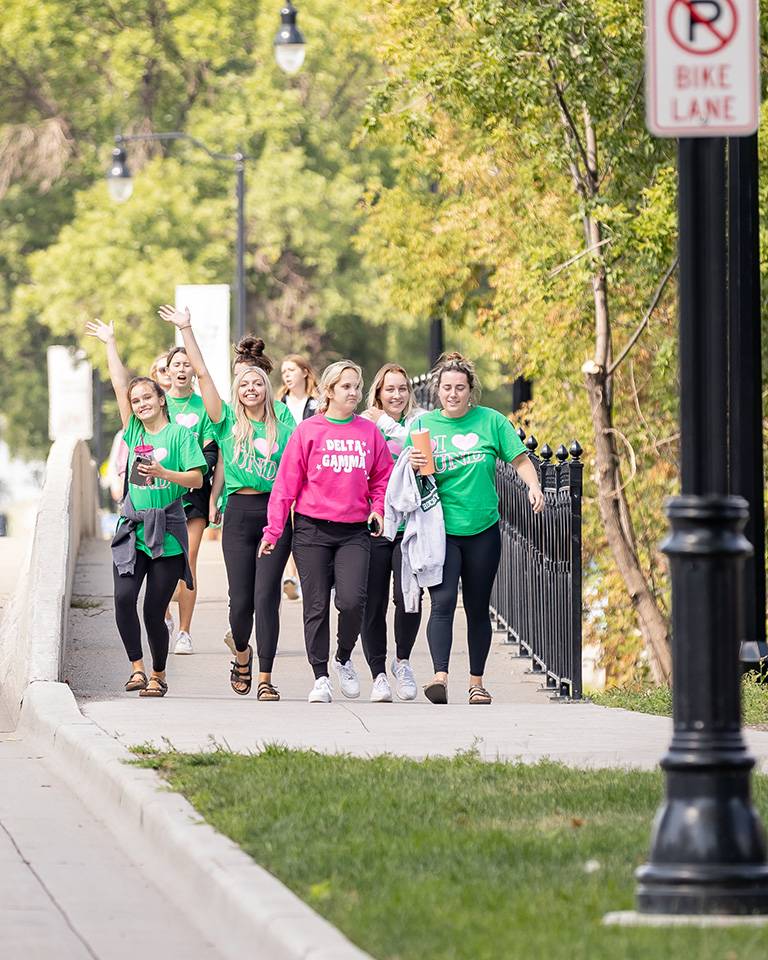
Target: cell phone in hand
<point x="374" y="526"/>
<point x="136" y="478"/>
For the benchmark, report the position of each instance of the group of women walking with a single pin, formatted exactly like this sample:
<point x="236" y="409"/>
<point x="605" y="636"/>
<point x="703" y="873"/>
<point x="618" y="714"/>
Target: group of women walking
<point x="396" y="495"/>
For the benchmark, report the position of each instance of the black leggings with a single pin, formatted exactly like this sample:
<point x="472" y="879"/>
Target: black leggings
<point x="386" y="558"/>
<point x="255" y="584"/>
<point x="161" y="575"/>
<point x="475" y="559"/>
<point x="330" y="554"/>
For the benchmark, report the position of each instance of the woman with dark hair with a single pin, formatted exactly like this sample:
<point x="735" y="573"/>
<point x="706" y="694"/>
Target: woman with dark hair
<point x="186" y="409"/>
<point x="150" y="544"/>
<point x="467" y="440"/>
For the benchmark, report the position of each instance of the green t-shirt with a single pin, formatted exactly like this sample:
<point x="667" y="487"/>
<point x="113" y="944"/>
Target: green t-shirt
<point x="175" y="448"/>
<point x="190" y="412"/>
<point x="251" y="468"/>
<point x="466" y="450"/>
<point x="284" y="415"/>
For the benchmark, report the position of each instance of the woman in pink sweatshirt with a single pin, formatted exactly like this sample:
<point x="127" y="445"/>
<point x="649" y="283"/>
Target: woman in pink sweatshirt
<point x="335" y="470"/>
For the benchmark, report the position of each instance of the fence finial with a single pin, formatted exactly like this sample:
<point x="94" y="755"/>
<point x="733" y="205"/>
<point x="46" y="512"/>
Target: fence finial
<point x="561" y="453"/>
<point x="575" y="449"/>
<point x="531" y="443"/>
<point x="546" y="453"/>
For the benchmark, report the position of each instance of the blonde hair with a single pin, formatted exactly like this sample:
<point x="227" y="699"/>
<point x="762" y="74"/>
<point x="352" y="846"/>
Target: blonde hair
<point x="374" y="394"/>
<point x="455" y="362"/>
<point x="243" y="428"/>
<point x="331" y="376"/>
<point x="305" y="368"/>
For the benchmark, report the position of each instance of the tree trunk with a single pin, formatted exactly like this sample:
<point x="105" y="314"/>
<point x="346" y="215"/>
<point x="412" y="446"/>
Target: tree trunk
<point x="614" y="508"/>
<point x="614" y="512"/>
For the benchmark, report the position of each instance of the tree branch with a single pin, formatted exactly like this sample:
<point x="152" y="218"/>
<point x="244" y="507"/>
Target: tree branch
<point x="644" y="322"/>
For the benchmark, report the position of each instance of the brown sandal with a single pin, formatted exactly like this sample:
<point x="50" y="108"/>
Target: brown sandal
<point x="242" y="673"/>
<point x="265" y="691"/>
<point x="479" y="695"/>
<point x="159" y="689"/>
<point x="140" y="684"/>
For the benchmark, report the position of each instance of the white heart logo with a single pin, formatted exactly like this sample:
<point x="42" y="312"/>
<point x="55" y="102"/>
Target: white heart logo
<point x="261" y="445"/>
<point x="187" y="419"/>
<point x="159" y="453"/>
<point x="465" y="441"/>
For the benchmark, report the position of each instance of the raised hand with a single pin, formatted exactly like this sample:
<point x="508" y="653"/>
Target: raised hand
<point x="176" y="317"/>
<point x="102" y="331"/>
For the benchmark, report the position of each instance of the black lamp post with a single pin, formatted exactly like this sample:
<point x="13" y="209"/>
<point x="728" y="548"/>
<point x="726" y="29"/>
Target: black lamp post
<point x="708" y="852"/>
<point x="289" y="53"/>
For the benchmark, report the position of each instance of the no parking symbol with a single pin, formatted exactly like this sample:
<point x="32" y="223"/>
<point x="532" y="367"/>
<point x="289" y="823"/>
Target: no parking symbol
<point x="702" y="67"/>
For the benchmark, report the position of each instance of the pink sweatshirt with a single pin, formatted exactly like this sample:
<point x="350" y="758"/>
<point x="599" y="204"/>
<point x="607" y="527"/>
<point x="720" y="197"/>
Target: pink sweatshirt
<point x="333" y="471"/>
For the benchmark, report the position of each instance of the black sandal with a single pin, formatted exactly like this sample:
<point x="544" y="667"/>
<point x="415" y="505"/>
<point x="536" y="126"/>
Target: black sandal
<point x="436" y="691"/>
<point x="159" y="690"/>
<point x="140" y="684"/>
<point x="242" y="673"/>
<point x="265" y="691"/>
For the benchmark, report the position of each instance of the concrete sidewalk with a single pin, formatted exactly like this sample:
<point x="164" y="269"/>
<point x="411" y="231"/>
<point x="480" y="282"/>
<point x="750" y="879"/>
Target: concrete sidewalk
<point x="201" y="712"/>
<point x="66" y="889"/>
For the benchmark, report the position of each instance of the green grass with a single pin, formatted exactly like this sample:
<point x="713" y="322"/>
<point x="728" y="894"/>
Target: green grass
<point x="649" y="699"/>
<point x="452" y="859"/>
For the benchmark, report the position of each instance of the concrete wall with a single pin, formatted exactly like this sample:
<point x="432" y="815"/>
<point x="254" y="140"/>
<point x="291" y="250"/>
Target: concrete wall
<point x="33" y="628"/>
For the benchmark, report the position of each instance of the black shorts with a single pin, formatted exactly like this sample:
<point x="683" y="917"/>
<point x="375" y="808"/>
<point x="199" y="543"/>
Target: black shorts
<point x="196" y="503"/>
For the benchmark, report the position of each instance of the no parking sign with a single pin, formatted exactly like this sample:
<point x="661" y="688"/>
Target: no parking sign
<point x="702" y="73"/>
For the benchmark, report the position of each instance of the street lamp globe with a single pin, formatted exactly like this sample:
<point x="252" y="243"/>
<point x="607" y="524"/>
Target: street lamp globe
<point x="290" y="48"/>
<point x="119" y="180"/>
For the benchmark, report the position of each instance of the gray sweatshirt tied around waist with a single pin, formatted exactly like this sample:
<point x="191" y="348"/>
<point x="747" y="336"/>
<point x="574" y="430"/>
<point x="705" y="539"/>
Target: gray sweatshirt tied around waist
<point x="157" y="522"/>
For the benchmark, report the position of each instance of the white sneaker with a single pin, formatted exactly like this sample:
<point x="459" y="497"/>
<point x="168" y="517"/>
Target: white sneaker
<point x="321" y="692"/>
<point x="380" y="692"/>
<point x="171" y="625"/>
<point x="230" y="641"/>
<point x="405" y="686"/>
<point x="350" y="685"/>
<point x="183" y="643"/>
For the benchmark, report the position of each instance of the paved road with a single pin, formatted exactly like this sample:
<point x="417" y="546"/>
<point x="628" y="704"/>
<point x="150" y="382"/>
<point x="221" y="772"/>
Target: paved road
<point x="201" y="711"/>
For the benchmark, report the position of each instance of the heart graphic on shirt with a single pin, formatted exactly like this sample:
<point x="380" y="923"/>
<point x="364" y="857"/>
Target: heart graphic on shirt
<point x="261" y="445"/>
<point x="187" y="419"/>
<point x="465" y="441"/>
<point x="159" y="453"/>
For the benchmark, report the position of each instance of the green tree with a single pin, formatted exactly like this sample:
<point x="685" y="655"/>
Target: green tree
<point x="556" y="209"/>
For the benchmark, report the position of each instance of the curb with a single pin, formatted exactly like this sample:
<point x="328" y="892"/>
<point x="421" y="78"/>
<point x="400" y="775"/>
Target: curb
<point x="237" y="904"/>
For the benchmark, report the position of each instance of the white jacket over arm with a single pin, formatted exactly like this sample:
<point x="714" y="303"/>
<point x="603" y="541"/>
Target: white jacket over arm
<point x="413" y="501"/>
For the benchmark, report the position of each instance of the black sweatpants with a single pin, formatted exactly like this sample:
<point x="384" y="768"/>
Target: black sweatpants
<point x="161" y="575"/>
<point x="475" y="559"/>
<point x="386" y="559"/>
<point x="330" y="554"/>
<point x="255" y="585"/>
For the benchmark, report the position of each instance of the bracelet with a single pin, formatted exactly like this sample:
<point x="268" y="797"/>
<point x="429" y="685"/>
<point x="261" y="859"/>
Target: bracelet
<point x="187" y="326"/>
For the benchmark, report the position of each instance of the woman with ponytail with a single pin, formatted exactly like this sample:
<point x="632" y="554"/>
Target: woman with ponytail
<point x="467" y="440"/>
<point x="252" y="440"/>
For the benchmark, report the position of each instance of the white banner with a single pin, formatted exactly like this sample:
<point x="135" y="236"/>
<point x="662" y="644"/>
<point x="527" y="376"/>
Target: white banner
<point x="209" y="305"/>
<point x="70" y="394"/>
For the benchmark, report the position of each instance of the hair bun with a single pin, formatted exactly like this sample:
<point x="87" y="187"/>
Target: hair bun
<point x="454" y="357"/>
<point x="250" y="346"/>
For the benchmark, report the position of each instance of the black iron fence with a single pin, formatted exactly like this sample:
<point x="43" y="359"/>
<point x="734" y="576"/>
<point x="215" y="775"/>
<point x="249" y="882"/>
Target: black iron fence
<point x="537" y="594"/>
<point x="536" y="597"/>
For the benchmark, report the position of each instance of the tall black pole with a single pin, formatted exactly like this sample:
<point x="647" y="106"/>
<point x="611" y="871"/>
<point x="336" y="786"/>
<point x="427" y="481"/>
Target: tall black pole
<point x="745" y="409"/>
<point x="708" y="847"/>
<point x="240" y="260"/>
<point x="436" y="340"/>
